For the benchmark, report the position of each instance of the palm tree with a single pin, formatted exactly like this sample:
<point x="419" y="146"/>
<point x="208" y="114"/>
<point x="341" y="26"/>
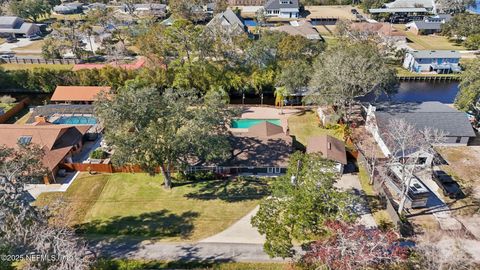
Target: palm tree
<point x="280" y="94"/>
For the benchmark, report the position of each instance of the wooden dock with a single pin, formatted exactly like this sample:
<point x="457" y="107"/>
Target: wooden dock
<point x="430" y="78"/>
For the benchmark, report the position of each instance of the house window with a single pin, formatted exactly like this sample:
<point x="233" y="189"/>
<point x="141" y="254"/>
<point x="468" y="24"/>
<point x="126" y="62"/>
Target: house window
<point x="270" y="170"/>
<point x="458" y="140"/>
<point x="24" y="140"/>
<point x="422" y="160"/>
<point x="277" y="170"/>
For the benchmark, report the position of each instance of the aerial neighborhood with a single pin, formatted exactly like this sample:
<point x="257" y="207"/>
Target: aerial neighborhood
<point x="240" y="134"/>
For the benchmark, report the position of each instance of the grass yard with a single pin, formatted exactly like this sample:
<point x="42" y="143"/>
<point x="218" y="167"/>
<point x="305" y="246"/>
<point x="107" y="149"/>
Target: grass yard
<point x="429" y="42"/>
<point x="7" y="107"/>
<point x="402" y="72"/>
<point x="306" y="125"/>
<point x="140" y="265"/>
<point x="137" y="206"/>
<point x="34" y="46"/>
<point x="32" y="66"/>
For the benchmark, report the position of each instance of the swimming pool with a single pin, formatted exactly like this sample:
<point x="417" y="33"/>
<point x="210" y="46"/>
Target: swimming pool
<point x="250" y="22"/>
<point x="247" y="123"/>
<point x="75" y="120"/>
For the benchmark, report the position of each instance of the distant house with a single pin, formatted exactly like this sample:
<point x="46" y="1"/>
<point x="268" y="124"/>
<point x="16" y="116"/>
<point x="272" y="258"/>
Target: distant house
<point x="158" y="10"/>
<point x="69" y="8"/>
<point x="77" y="94"/>
<point x="455" y="124"/>
<point x="10" y="25"/>
<point x="406" y="10"/>
<point x="246" y="2"/>
<point x="430" y="25"/>
<point x="429" y="5"/>
<point x="228" y="22"/>
<point x="59" y="142"/>
<point x="330" y="148"/>
<point x="442" y="62"/>
<point x="282" y="8"/>
<point x="385" y="31"/>
<point x="299" y="28"/>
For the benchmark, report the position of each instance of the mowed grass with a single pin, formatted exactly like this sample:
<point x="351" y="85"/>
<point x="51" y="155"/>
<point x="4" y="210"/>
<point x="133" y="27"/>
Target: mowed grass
<point x="429" y="42"/>
<point x="306" y="125"/>
<point x="138" y="206"/>
<point x="13" y="66"/>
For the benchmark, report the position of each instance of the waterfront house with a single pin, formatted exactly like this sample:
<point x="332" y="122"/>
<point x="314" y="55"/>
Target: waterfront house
<point x="15" y="26"/>
<point x="435" y="115"/>
<point x="58" y="142"/>
<point x="282" y="8"/>
<point x="442" y="62"/>
<point x="428" y="26"/>
<point x="330" y="148"/>
<point x="77" y="94"/>
<point x="228" y="22"/>
<point x="406" y="10"/>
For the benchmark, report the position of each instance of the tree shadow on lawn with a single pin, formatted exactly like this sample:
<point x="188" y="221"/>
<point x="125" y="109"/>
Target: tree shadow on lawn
<point x="158" y="224"/>
<point x="235" y="190"/>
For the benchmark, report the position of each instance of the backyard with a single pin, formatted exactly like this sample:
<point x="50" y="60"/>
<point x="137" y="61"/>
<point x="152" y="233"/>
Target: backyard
<point x="428" y="42"/>
<point x="306" y="124"/>
<point x="137" y="206"/>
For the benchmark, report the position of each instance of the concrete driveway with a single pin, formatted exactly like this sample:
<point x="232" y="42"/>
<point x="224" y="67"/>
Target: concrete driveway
<point x="240" y="232"/>
<point x="8" y="47"/>
<point x="352" y="182"/>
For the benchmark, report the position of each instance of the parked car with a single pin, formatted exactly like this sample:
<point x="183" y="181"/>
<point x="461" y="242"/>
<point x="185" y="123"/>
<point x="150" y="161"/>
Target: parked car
<point x="11" y="39"/>
<point x="448" y="185"/>
<point x="6" y="55"/>
<point x="35" y="37"/>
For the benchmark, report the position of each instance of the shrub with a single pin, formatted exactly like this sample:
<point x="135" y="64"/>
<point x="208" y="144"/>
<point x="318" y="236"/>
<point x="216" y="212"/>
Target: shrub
<point x="7" y="99"/>
<point x="98" y="154"/>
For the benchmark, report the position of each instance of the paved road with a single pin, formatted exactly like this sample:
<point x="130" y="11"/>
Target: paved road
<point x="201" y="252"/>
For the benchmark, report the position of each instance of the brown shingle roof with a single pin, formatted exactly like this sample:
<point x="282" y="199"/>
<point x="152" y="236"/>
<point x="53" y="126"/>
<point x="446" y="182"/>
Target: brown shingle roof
<point x="55" y="140"/>
<point x="329" y="147"/>
<point x="265" y="129"/>
<point x="383" y="29"/>
<point x="78" y="93"/>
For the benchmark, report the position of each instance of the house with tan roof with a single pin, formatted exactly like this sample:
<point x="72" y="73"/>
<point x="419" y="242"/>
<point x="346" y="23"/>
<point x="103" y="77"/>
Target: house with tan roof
<point x="78" y="94"/>
<point x="59" y="142"/>
<point x="299" y="28"/>
<point x="385" y="31"/>
<point x="329" y="148"/>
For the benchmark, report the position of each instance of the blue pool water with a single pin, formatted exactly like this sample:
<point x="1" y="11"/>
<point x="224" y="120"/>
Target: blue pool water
<point x="76" y="120"/>
<point x="250" y="22"/>
<point x="247" y="123"/>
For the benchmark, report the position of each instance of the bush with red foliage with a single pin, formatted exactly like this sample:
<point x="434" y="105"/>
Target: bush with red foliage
<point x="354" y="247"/>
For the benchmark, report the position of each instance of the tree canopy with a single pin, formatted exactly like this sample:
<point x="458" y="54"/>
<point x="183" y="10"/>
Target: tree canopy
<point x="298" y="210"/>
<point x="469" y="95"/>
<point x="32" y="9"/>
<point x="462" y="25"/>
<point x="164" y="129"/>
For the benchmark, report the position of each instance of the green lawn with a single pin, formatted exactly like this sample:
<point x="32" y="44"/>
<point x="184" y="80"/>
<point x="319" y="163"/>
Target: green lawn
<point x="402" y="72"/>
<point x="137" y="206"/>
<point x="306" y="125"/>
<point x="32" y="66"/>
<point x="429" y="42"/>
<point x="6" y="107"/>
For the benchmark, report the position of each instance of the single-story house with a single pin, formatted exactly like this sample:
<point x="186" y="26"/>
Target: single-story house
<point x="77" y="94"/>
<point x="406" y="10"/>
<point x="441" y="62"/>
<point x="69" y="8"/>
<point x="264" y="149"/>
<point x="435" y="115"/>
<point x="299" y="28"/>
<point x="59" y="142"/>
<point x="15" y="26"/>
<point x="158" y="10"/>
<point x="228" y="22"/>
<point x="330" y="148"/>
<point x="385" y="31"/>
<point x="246" y="2"/>
<point x="427" y="4"/>
<point x="430" y="25"/>
<point x="282" y="8"/>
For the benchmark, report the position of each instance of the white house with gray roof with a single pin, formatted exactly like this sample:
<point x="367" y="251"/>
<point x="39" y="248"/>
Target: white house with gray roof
<point x="15" y="26"/>
<point x="435" y="115"/>
<point x="442" y="62"/>
<point x="282" y="8"/>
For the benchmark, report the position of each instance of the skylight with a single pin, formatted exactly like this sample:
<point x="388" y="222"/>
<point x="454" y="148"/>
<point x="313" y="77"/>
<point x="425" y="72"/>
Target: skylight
<point x="24" y="140"/>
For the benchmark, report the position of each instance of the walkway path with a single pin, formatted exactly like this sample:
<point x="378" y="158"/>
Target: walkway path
<point x="351" y="181"/>
<point x="35" y="190"/>
<point x="241" y="231"/>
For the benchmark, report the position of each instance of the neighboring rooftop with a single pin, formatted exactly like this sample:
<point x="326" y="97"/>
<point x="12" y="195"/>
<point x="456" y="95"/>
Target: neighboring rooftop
<point x="432" y="114"/>
<point x="299" y="28"/>
<point x="383" y="29"/>
<point x="228" y="21"/>
<point x="78" y="93"/>
<point x="329" y="147"/>
<point x="435" y="54"/>
<point x="278" y="4"/>
<point x="429" y="4"/>
<point x="398" y="10"/>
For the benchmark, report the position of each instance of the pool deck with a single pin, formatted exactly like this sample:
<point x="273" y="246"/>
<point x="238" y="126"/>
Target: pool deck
<point x="269" y="113"/>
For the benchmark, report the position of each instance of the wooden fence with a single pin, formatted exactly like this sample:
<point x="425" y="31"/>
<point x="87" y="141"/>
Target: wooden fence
<point x="16" y="60"/>
<point x="103" y="168"/>
<point x="13" y="111"/>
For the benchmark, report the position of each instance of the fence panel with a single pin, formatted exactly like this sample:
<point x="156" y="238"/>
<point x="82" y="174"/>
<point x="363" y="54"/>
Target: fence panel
<point x="13" y="111"/>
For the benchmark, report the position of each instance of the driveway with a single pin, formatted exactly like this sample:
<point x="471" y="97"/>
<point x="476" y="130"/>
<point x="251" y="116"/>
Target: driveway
<point x="8" y="47"/>
<point x="240" y="232"/>
<point x="352" y="182"/>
